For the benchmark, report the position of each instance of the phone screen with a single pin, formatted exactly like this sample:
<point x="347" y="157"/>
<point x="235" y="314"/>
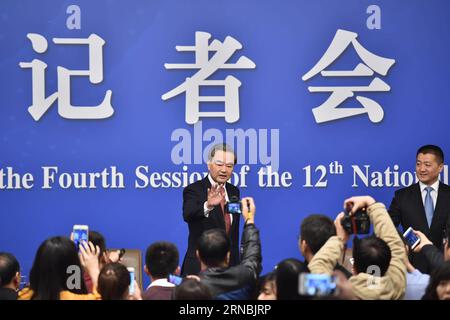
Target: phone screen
<point x="80" y="233"/>
<point x="176" y="280"/>
<point x="234" y="207"/>
<point x="132" y="277"/>
<point x="317" y="284"/>
<point x="411" y="238"/>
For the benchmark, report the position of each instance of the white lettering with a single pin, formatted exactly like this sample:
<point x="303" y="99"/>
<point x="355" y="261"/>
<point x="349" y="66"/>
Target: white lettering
<point x="11" y="180"/>
<point x="108" y="178"/>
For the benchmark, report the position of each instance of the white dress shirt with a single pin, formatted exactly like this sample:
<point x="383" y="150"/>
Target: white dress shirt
<point x="205" y="207"/>
<point x="433" y="193"/>
<point x="161" y="283"/>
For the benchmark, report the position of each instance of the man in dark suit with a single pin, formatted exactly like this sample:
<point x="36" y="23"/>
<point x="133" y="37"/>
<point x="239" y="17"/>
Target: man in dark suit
<point x="204" y="203"/>
<point x="424" y="206"/>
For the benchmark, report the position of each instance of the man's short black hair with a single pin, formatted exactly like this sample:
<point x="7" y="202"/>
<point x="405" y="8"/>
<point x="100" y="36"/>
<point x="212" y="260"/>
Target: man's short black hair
<point x="316" y="229"/>
<point x="161" y="259"/>
<point x="429" y="148"/>
<point x="213" y="247"/>
<point x="287" y="276"/>
<point x="9" y="266"/>
<point x="192" y="289"/>
<point x="371" y="252"/>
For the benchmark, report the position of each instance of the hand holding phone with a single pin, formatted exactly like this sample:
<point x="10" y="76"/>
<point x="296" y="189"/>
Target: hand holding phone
<point x="131" y="288"/>
<point x="411" y="238"/>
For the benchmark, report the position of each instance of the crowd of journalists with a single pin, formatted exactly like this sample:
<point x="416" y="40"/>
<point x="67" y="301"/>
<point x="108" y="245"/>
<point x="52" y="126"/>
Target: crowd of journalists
<point x="380" y="269"/>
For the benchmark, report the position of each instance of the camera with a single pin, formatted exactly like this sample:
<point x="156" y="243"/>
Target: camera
<point x="233" y="206"/>
<point x="358" y="223"/>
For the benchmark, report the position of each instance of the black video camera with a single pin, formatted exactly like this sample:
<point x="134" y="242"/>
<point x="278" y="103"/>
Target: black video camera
<point x="358" y="223"/>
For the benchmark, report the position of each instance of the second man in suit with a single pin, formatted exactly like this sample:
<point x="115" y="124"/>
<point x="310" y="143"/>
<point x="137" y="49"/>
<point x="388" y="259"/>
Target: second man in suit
<point x="204" y="203"/>
<point x="424" y="206"/>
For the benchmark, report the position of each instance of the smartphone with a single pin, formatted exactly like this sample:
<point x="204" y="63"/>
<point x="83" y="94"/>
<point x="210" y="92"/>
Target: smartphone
<point x="80" y="233"/>
<point x="411" y="238"/>
<point x="233" y="207"/>
<point x="132" y="278"/>
<point x="317" y="284"/>
<point x="176" y="280"/>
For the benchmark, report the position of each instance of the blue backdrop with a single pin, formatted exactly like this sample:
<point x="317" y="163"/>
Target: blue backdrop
<point x="284" y="39"/>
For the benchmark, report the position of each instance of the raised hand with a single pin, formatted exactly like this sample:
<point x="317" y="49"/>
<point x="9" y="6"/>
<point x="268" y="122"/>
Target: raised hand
<point x="215" y="196"/>
<point x="248" y="209"/>
<point x="357" y="203"/>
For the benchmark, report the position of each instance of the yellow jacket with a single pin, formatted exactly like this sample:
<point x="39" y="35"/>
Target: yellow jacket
<point x="27" y="294"/>
<point x="366" y="286"/>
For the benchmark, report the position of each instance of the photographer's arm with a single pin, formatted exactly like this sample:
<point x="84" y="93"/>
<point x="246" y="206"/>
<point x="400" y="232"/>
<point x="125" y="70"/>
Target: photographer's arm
<point x="434" y="257"/>
<point x="325" y="260"/>
<point x="327" y="257"/>
<point x="251" y="245"/>
<point x="251" y="253"/>
<point x="432" y="254"/>
<point x="384" y="228"/>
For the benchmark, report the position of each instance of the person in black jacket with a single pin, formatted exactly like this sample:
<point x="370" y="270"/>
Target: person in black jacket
<point x="204" y="203"/>
<point x="433" y="255"/>
<point x="224" y="281"/>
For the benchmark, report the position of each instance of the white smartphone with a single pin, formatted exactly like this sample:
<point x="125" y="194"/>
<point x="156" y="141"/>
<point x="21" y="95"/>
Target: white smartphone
<point x="411" y="238"/>
<point x="80" y="233"/>
<point x="131" y="288"/>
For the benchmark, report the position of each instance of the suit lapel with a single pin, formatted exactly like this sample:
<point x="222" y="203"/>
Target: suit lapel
<point x="207" y="184"/>
<point x="442" y="204"/>
<point x="231" y="192"/>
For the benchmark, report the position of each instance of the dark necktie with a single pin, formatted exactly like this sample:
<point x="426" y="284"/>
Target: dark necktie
<point x="226" y="216"/>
